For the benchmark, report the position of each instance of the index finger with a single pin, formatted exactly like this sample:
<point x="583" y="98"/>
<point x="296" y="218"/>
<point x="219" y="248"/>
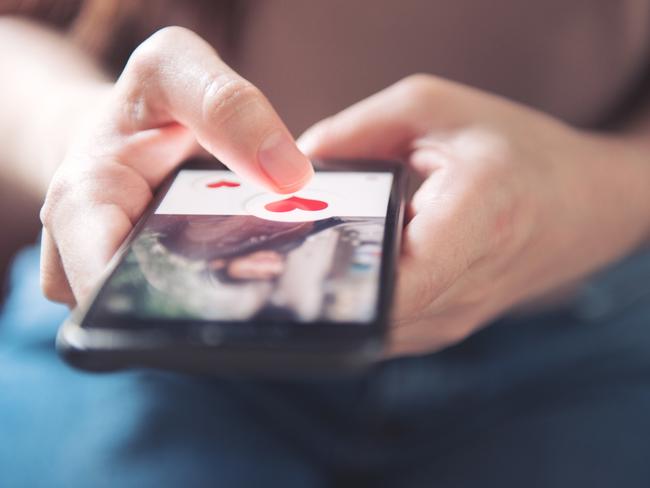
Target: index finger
<point x="176" y="77"/>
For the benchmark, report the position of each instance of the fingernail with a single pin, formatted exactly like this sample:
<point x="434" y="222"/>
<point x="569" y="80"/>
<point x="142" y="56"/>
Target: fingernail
<point x="283" y="163"/>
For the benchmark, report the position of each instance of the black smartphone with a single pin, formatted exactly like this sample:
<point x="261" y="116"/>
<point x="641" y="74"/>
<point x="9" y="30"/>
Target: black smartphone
<point x="221" y="277"/>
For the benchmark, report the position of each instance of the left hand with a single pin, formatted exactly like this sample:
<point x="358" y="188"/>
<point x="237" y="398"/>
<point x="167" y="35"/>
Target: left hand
<point x="514" y="204"/>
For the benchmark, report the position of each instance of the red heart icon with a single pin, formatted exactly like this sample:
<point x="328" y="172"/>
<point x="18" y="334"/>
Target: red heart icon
<point x="221" y="183"/>
<point x="292" y="203"/>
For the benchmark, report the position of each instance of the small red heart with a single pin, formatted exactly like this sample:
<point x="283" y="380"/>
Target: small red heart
<point x="220" y="183"/>
<point x="292" y="203"/>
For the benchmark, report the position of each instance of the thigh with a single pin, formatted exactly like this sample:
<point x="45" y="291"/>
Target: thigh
<point x="598" y="439"/>
<point x="62" y="428"/>
<point x="559" y="399"/>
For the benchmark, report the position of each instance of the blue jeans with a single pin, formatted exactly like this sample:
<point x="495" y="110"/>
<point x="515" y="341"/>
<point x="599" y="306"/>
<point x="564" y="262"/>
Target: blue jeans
<point x="557" y="400"/>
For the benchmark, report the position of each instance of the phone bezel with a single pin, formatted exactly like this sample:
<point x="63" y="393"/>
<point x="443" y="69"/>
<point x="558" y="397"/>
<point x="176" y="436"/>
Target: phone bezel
<point x="321" y="335"/>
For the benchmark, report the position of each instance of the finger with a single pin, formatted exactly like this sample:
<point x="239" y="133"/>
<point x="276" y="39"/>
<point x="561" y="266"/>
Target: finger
<point x="88" y="215"/>
<point x="439" y="247"/>
<point x="429" y="265"/>
<point x="387" y="124"/>
<point x="87" y="241"/>
<point x="54" y="281"/>
<point x="175" y="76"/>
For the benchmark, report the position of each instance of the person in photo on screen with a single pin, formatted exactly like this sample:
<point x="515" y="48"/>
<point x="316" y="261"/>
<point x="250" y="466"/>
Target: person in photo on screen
<point x="236" y="266"/>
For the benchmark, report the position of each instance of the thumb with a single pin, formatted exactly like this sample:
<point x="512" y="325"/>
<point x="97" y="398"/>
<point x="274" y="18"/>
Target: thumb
<point x="176" y="77"/>
<point x="385" y="125"/>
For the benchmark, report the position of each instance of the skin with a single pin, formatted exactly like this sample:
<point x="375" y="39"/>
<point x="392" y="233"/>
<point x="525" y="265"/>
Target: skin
<point x="514" y="205"/>
<point x="260" y="265"/>
<point x="174" y="92"/>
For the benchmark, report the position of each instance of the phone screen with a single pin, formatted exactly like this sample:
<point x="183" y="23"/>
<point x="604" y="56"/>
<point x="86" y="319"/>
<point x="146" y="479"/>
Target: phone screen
<point x="219" y="249"/>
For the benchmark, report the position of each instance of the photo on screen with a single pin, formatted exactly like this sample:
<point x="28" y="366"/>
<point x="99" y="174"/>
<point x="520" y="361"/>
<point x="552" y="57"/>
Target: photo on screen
<point x="218" y="249"/>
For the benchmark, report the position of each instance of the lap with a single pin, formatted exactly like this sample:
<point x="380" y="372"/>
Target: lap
<point x="598" y="440"/>
<point x="548" y="396"/>
<point x="63" y="428"/>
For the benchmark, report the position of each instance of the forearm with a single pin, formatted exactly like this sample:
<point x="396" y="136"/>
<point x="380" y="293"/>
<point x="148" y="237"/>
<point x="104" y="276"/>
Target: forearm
<point x="644" y="173"/>
<point x="604" y="191"/>
<point x="636" y="133"/>
<point x="632" y="143"/>
<point x="47" y="86"/>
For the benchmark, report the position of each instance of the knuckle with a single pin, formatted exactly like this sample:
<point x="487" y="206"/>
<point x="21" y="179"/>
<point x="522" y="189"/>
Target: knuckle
<point x="151" y="51"/>
<point x="145" y="61"/>
<point x="417" y="86"/>
<point x="56" y="193"/>
<point x="169" y="35"/>
<point x="488" y="157"/>
<point x="421" y="94"/>
<point x="417" y="80"/>
<point x="224" y="95"/>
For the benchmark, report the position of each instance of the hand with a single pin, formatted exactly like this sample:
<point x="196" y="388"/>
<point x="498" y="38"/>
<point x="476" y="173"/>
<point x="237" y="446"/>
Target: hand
<point x="173" y="92"/>
<point x="513" y="205"/>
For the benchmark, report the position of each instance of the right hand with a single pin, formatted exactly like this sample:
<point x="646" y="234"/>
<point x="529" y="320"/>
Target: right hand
<point x="174" y="92"/>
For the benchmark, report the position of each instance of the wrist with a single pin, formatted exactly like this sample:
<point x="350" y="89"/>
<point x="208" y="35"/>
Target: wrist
<point x="637" y="155"/>
<point x="595" y="210"/>
<point x="622" y="165"/>
<point x="640" y="146"/>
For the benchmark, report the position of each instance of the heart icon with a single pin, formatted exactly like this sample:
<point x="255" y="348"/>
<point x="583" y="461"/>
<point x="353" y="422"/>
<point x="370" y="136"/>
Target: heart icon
<point x="222" y="183"/>
<point x="293" y="203"/>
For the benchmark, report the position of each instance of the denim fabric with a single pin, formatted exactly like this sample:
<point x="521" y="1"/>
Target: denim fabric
<point x="556" y="400"/>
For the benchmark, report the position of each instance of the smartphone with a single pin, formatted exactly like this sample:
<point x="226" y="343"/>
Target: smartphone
<point x="219" y="276"/>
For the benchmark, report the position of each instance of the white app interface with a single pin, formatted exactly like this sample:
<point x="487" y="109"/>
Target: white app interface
<point x="328" y="194"/>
